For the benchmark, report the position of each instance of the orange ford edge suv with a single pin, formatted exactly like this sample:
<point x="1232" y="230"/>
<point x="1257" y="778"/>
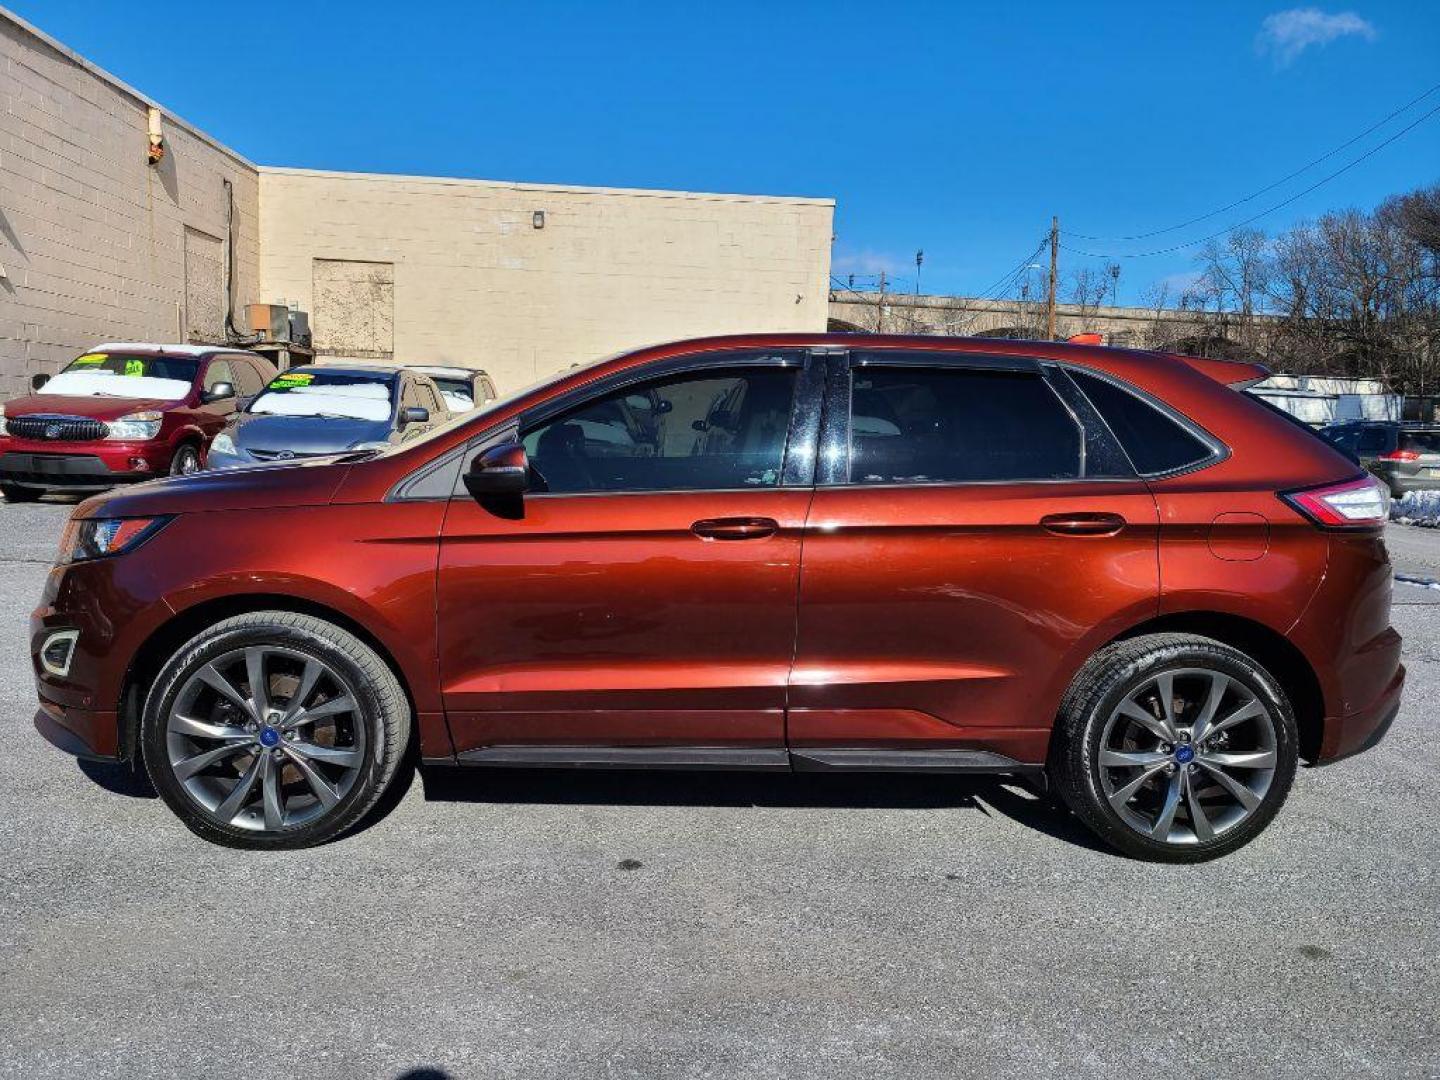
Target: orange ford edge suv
<point x="1107" y="572"/>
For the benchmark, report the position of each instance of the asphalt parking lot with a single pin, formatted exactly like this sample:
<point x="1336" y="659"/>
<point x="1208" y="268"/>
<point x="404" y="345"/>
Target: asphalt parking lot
<point x="702" y="925"/>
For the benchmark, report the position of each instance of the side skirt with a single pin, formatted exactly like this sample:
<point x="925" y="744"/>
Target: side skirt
<point x="764" y="759"/>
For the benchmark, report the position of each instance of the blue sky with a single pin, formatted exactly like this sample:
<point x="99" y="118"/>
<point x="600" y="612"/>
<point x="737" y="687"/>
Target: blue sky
<point x="957" y="128"/>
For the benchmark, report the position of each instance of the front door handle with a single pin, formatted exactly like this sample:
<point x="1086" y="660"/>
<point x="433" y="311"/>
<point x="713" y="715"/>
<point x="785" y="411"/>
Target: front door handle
<point x="1083" y="523"/>
<point x="746" y="528"/>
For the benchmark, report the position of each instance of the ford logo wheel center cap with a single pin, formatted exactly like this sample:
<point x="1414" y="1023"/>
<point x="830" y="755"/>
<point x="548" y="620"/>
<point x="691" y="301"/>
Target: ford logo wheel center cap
<point x="269" y="736"/>
<point x="1185" y="753"/>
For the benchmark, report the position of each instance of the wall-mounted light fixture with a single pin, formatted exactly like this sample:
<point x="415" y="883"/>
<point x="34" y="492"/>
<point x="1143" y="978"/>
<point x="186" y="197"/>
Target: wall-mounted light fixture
<point x="156" y="135"/>
<point x="538" y="219"/>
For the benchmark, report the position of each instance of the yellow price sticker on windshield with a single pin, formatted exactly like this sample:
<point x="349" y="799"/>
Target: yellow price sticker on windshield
<point x="285" y="382"/>
<point x="94" y="359"/>
<point x="135" y="367"/>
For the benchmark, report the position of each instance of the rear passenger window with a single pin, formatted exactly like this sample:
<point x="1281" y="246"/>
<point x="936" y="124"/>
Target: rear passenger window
<point x="1155" y="442"/>
<point x="958" y="425"/>
<point x="1373" y="441"/>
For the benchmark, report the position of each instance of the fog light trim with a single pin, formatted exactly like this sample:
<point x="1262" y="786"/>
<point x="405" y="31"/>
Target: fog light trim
<point x="63" y="640"/>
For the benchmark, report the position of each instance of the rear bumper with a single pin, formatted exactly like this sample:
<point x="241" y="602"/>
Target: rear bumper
<point x="1363" y="729"/>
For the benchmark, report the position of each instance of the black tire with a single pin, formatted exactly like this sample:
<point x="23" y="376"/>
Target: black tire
<point x="186" y="460"/>
<point x="1104" y="684"/>
<point x="19" y="493"/>
<point x="382" y="707"/>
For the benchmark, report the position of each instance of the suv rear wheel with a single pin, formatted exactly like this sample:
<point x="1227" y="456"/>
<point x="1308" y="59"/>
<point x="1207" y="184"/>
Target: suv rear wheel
<point x="274" y="730"/>
<point x="1174" y="747"/>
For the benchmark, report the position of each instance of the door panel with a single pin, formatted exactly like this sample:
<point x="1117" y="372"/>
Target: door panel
<point x="606" y="619"/>
<point x="939" y="615"/>
<point x="979" y="538"/>
<point x="609" y="606"/>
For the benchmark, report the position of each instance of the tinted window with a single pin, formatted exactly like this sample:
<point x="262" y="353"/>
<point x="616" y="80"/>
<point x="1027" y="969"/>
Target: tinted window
<point x="709" y="430"/>
<point x="919" y="425"/>
<point x="1341" y="438"/>
<point x="1423" y="442"/>
<point x="1155" y="442"/>
<point x="1373" y="440"/>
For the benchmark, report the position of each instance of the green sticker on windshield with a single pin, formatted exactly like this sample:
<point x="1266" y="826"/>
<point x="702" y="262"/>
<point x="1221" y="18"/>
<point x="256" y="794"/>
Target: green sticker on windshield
<point x="94" y="359"/>
<point x="286" y="382"/>
<point x="134" y="367"/>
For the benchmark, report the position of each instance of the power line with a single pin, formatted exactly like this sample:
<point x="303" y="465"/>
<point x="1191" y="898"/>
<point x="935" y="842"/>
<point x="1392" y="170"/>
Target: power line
<point x="1263" y="213"/>
<point x="1269" y="187"/>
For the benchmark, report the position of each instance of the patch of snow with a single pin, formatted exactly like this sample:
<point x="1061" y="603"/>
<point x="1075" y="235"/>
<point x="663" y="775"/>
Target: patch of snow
<point x="1418" y="582"/>
<point x="84" y="383"/>
<point x="360" y="401"/>
<point x="1417" y="508"/>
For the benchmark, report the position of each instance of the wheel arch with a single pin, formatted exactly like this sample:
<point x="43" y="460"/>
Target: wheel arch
<point x="1271" y="649"/>
<point x="165" y="639"/>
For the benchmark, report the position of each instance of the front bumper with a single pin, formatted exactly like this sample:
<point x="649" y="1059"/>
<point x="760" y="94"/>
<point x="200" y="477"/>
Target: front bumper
<point x="82" y="733"/>
<point x="89" y="465"/>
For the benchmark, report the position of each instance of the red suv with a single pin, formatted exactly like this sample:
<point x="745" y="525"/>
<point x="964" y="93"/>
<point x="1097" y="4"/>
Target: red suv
<point x="123" y="412"/>
<point x="1104" y="571"/>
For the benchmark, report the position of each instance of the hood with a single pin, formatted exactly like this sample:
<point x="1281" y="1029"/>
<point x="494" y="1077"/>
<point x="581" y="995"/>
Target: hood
<point x="93" y="406"/>
<point x="305" y="483"/>
<point x="303" y="434"/>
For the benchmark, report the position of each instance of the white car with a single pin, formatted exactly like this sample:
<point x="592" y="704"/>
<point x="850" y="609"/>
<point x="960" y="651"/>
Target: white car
<point x="462" y="388"/>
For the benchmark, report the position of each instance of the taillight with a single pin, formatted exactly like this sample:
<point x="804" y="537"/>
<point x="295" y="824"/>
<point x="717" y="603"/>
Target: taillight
<point x="1401" y="455"/>
<point x="1360" y="503"/>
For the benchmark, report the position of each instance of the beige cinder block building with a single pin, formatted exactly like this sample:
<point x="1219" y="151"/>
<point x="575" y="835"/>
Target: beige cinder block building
<point x="522" y="279"/>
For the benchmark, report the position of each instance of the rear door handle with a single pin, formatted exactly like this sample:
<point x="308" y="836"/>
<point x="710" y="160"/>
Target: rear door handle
<point x="740" y="528"/>
<point x="1083" y="523"/>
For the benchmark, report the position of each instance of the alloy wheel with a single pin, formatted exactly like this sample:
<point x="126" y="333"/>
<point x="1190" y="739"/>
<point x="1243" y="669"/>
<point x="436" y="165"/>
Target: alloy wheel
<point x="1187" y="755"/>
<point x="266" y="738"/>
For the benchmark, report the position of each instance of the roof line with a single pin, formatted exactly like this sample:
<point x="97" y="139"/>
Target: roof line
<point x="125" y="88"/>
<point x="516" y="185"/>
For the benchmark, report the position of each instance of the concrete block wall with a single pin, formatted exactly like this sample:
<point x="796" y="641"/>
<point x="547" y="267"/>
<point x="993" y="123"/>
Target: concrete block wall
<point x="476" y="284"/>
<point x="92" y="238"/>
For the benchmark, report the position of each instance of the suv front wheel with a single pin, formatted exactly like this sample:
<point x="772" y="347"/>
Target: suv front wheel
<point x="274" y="730"/>
<point x="1174" y="748"/>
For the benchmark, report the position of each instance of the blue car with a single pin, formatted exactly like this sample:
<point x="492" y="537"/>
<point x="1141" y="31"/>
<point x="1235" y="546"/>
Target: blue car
<point x="319" y="409"/>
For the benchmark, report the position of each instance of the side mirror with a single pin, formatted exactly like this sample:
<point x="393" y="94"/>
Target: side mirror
<point x="414" y="414"/>
<point x="500" y="470"/>
<point x="219" y="391"/>
<point x="37" y="381"/>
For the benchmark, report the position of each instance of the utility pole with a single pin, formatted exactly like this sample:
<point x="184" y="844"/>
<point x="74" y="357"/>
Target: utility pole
<point x="1050" y="292"/>
<point x="880" y="307"/>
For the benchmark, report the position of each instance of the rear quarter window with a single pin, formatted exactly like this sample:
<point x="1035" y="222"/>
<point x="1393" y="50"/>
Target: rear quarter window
<point x="1156" y="443"/>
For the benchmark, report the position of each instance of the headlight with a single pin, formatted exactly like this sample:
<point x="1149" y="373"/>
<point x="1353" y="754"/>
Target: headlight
<point x="95" y="538"/>
<point x="374" y="444"/>
<point x="223" y="444"/>
<point x="140" y="425"/>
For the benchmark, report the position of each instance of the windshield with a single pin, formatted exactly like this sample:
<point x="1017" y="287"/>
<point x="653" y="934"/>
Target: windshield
<point x="327" y="394"/>
<point x="125" y="375"/>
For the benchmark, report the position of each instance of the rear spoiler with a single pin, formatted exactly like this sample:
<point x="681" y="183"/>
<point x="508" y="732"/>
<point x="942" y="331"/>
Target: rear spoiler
<point x="1237" y="373"/>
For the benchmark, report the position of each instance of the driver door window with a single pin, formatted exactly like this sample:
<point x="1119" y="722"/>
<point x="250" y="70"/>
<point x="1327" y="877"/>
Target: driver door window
<point x="713" y="430"/>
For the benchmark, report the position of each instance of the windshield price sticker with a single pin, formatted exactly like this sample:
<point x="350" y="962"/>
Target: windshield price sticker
<point x="287" y="382"/>
<point x="135" y="367"/>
